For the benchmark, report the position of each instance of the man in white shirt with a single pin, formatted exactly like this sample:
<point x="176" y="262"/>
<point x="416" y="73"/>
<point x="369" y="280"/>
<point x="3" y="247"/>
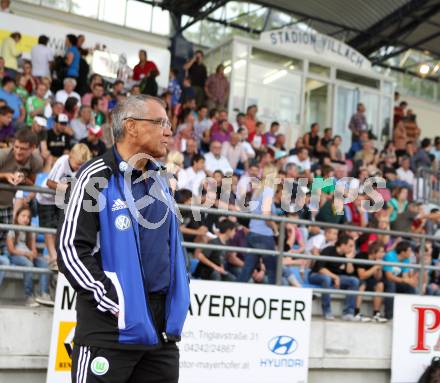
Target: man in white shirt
<point x="301" y="160"/>
<point x="404" y="173"/>
<point x="42" y="58"/>
<point x="63" y="94"/>
<point x="191" y="178"/>
<point x="233" y="151"/>
<point x="244" y="134"/>
<point x="215" y="161"/>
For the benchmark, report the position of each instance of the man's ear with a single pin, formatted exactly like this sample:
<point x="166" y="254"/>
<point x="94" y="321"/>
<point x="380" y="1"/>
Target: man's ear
<point x="130" y="128"/>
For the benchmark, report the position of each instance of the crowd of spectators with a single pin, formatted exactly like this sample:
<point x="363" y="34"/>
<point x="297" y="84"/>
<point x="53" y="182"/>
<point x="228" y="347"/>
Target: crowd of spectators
<point x="55" y="116"/>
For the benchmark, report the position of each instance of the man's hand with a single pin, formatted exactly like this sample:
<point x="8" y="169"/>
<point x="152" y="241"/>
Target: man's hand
<point x="202" y="230"/>
<point x="337" y="282"/>
<point x="221" y="270"/>
<point x="10" y="177"/>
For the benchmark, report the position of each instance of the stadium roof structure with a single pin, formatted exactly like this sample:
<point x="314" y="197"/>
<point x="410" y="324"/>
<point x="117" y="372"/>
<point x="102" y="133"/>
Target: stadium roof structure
<point x="383" y="30"/>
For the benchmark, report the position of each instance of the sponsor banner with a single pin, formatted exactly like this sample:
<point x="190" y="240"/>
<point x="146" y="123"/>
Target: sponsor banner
<point x="314" y="44"/>
<point x="234" y="333"/>
<point x="246" y="333"/>
<point x="416" y="336"/>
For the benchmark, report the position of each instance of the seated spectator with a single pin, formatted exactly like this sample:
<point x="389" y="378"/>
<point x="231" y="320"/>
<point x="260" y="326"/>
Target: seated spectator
<point x="19" y="165"/>
<point x="68" y="91"/>
<point x="188" y="92"/>
<point x="30" y="81"/>
<point x="239" y="122"/>
<point x="398" y="204"/>
<point x="222" y="133"/>
<point x="338" y="275"/>
<point x="212" y="262"/>
<point x="335" y="152"/>
<point x="93" y="141"/>
<point x="7" y="129"/>
<point x="354" y="212"/>
<point x="258" y="139"/>
<point x="81" y="124"/>
<point x="215" y="161"/>
<point x="41" y="57"/>
<point x="302" y="162"/>
<point x="280" y="142"/>
<point x="12" y="100"/>
<point x="251" y="119"/>
<point x="192" y="177"/>
<point x="271" y="135"/>
<point x="190" y="152"/>
<point x="412" y="129"/>
<point x="320" y="240"/>
<point x="435" y="151"/>
<point x="99" y="110"/>
<point x="36" y="104"/>
<point x="58" y="138"/>
<point x="185" y="132"/>
<point x="57" y="108"/>
<point x="39" y="127"/>
<point x="217" y="89"/>
<point x="312" y="139"/>
<point x="422" y="158"/>
<point x="216" y="128"/>
<point x="97" y="91"/>
<point x="398" y="279"/>
<point x="63" y="171"/>
<point x="371" y="279"/>
<point x="71" y="108"/>
<point x="202" y="123"/>
<point x="235" y="153"/>
<point x="404" y="172"/>
<point x="23" y="252"/>
<point x="20" y="89"/>
<point x="250" y="152"/>
<point x="144" y="67"/>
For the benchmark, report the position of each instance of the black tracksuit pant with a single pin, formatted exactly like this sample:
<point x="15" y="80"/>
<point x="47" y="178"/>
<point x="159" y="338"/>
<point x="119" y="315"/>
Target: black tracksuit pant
<point x="103" y="365"/>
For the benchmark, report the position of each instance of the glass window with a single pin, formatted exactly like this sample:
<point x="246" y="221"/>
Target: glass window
<point x="287" y="62"/>
<point x="388" y="88"/>
<point x="62" y="5"/>
<point x="112" y="11"/>
<point x="347" y="100"/>
<point x="192" y="33"/>
<point x="161" y="21"/>
<point x="320" y="70"/>
<point x="427" y="89"/>
<point x="357" y="79"/>
<point x="32" y="1"/>
<point x="386" y="117"/>
<point x="371" y="102"/>
<point x="138" y="15"/>
<point x="317" y="99"/>
<point x="410" y="84"/>
<point x="86" y="8"/>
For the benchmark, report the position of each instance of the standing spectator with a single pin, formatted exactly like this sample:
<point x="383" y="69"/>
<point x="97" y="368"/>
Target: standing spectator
<point x="215" y="161"/>
<point x="81" y="124"/>
<point x="398" y="279"/>
<point x="188" y="92"/>
<point x="58" y="138"/>
<point x="198" y="74"/>
<point x="7" y="129"/>
<point x="83" y="72"/>
<point x="149" y="84"/>
<point x="72" y="57"/>
<point x="12" y="100"/>
<point x="10" y="52"/>
<point x="22" y="247"/>
<point x="5" y="6"/>
<point x="36" y="104"/>
<point x="174" y="88"/>
<point x="358" y="122"/>
<point x="18" y="165"/>
<point x="235" y="153"/>
<point x="192" y="177"/>
<point x="144" y="67"/>
<point x="94" y="142"/>
<point x="339" y="275"/>
<point x="271" y="135"/>
<point x="217" y="89"/>
<point x="251" y="119"/>
<point x="41" y="57"/>
<point x="212" y="262"/>
<point x="68" y="91"/>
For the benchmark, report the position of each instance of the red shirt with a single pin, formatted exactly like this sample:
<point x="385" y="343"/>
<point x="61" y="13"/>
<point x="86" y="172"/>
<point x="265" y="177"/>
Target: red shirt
<point x="142" y="70"/>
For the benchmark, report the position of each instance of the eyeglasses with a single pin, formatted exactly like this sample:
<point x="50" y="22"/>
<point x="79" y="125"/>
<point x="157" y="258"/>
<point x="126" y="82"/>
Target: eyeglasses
<point x="163" y="122"/>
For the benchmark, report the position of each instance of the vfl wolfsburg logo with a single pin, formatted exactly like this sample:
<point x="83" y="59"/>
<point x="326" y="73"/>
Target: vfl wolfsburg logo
<point x="100" y="365"/>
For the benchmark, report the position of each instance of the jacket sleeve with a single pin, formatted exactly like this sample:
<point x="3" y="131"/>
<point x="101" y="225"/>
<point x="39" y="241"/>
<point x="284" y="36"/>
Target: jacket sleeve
<point x="78" y="241"/>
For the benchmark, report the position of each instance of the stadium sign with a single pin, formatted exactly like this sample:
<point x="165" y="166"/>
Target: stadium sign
<point x="311" y="43"/>
<point x="234" y="333"/>
<point x="416" y="336"/>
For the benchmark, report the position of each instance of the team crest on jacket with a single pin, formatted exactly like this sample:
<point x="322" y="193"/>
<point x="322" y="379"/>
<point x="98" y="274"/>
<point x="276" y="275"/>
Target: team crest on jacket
<point x="122" y="222"/>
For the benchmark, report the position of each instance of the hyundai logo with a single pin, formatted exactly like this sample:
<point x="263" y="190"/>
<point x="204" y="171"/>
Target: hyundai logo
<point x="282" y="345"/>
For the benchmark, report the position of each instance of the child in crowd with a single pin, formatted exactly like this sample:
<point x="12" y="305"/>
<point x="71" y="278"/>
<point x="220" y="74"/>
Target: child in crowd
<point x="22" y="248"/>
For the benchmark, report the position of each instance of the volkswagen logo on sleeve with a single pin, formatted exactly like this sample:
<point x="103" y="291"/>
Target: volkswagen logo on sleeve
<point x="282" y="345"/>
<point x="122" y="222"/>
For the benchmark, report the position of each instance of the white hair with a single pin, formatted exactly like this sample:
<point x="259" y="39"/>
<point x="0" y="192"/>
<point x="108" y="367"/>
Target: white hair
<point x="130" y="107"/>
<point x="69" y="79"/>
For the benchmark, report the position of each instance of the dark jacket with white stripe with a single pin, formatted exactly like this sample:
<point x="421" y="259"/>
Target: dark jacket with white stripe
<point x="98" y="252"/>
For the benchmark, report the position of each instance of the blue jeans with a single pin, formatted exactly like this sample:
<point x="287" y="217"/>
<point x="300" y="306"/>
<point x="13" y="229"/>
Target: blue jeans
<point x="393" y="287"/>
<point x="4" y="261"/>
<point x="347" y="283"/>
<point x="258" y="241"/>
<point x="41" y="262"/>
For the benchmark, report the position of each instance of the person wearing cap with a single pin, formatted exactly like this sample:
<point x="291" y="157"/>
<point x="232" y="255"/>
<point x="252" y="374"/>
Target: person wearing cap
<point x="94" y="142"/>
<point x="69" y="84"/>
<point x="39" y="127"/>
<point x="125" y="260"/>
<point x="58" y="138"/>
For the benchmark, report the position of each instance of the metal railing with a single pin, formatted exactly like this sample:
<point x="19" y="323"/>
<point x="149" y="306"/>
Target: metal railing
<point x="280" y="253"/>
<point x="427" y="188"/>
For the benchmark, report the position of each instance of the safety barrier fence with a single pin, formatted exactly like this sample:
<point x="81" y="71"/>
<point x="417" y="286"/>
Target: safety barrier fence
<point x="428" y="186"/>
<point x="421" y="267"/>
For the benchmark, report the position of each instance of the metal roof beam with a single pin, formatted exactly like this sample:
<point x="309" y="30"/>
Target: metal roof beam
<point x="201" y="15"/>
<point x="412" y="73"/>
<point x="377" y="28"/>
